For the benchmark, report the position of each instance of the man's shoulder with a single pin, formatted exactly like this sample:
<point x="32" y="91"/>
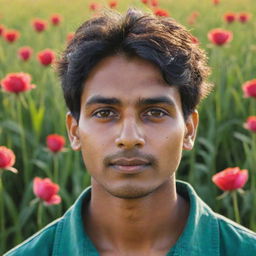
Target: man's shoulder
<point x="235" y="238"/>
<point x="41" y="242"/>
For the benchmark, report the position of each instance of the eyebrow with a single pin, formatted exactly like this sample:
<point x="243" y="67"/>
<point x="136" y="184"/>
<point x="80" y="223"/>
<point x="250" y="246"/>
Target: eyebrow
<point x="97" y="99"/>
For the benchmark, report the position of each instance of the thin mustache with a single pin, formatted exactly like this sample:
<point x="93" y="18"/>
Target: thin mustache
<point x="130" y="154"/>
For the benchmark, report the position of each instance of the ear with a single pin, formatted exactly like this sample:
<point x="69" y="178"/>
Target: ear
<point x="190" y="132"/>
<point x="73" y="132"/>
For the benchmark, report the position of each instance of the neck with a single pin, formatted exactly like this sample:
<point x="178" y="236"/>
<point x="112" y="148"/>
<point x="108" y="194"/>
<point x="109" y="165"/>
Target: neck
<point x="153" y="222"/>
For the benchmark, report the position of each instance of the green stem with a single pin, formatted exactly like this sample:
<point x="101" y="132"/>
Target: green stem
<point x="252" y="185"/>
<point x="2" y="219"/>
<point x="23" y="143"/>
<point x="235" y="205"/>
<point x="56" y="167"/>
<point x="40" y="215"/>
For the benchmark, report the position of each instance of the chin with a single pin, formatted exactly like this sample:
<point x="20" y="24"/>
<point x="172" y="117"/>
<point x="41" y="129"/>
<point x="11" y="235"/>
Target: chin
<point x="130" y="191"/>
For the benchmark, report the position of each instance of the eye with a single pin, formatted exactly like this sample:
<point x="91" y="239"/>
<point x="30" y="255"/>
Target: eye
<point x="104" y="113"/>
<point x="156" y="113"/>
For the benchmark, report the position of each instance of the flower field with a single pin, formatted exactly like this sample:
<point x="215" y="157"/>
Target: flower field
<point x="40" y="176"/>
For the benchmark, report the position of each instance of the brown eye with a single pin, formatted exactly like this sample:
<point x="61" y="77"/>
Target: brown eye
<point x="103" y="113"/>
<point x="156" y="113"/>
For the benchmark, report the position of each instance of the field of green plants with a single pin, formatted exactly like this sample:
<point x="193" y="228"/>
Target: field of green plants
<point x="27" y="118"/>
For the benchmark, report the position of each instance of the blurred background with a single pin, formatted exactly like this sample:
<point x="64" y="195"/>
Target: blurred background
<point x="33" y="33"/>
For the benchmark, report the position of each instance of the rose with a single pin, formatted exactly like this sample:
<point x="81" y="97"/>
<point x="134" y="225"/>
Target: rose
<point x="55" y="142"/>
<point x="25" y="53"/>
<point x="56" y="19"/>
<point x="229" y="17"/>
<point x="220" y="36"/>
<point x="46" y="190"/>
<point x="17" y="82"/>
<point x="7" y="159"/>
<point x="244" y="17"/>
<point x="249" y="89"/>
<point x="46" y="57"/>
<point x="230" y="179"/>
<point x="11" y="35"/>
<point x="39" y="25"/>
<point x="250" y="124"/>
<point x="161" y="12"/>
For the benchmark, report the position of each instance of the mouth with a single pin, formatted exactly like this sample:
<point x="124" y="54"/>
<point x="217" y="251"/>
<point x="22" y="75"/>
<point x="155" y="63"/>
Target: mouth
<point x="129" y="169"/>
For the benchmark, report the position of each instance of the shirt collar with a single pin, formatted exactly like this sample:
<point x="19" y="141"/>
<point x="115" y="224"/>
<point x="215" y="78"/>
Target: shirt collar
<point x="200" y="235"/>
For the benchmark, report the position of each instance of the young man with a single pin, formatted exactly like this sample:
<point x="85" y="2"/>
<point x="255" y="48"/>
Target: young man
<point x="132" y="84"/>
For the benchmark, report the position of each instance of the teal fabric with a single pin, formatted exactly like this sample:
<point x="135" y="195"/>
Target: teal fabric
<point x="206" y="233"/>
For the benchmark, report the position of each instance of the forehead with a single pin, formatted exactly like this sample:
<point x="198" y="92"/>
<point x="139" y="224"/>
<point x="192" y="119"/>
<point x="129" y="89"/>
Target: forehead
<point x="127" y="79"/>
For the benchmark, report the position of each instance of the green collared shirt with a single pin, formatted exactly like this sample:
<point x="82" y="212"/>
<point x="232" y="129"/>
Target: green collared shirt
<point x="206" y="233"/>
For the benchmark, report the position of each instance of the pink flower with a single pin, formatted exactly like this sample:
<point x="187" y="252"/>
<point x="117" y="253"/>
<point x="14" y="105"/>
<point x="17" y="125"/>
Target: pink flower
<point x="250" y="124"/>
<point x="46" y="57"/>
<point x="2" y="29"/>
<point x="46" y="190"/>
<point x="229" y="17"/>
<point x="39" y="25"/>
<point x="94" y="6"/>
<point x="56" y="19"/>
<point x="194" y="40"/>
<point x="70" y="36"/>
<point x="154" y="3"/>
<point x="11" y="35"/>
<point x="249" y="89"/>
<point x="7" y="159"/>
<point x="17" y="83"/>
<point x="55" y="142"/>
<point x="192" y="18"/>
<point x="112" y="3"/>
<point x="25" y="53"/>
<point x="144" y="1"/>
<point x="230" y="178"/>
<point x="215" y="2"/>
<point x="161" y="12"/>
<point x="220" y="36"/>
<point x="244" y="17"/>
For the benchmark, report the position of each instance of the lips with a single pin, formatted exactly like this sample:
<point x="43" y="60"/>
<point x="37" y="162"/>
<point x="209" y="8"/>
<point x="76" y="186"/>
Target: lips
<point x="130" y="162"/>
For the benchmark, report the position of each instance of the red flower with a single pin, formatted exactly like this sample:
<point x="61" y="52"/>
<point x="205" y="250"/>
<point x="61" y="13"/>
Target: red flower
<point x="55" y="142"/>
<point x="161" y="12"/>
<point x="230" y="178"/>
<point x="249" y="89"/>
<point x="112" y="4"/>
<point x="229" y="17"/>
<point x="7" y="159"/>
<point x="46" y="57"/>
<point x="2" y="29"/>
<point x="25" y="53"/>
<point x="70" y="36"/>
<point x="94" y="6"/>
<point x="11" y="35"/>
<point x="244" y="17"/>
<point x="194" y="40"/>
<point x="56" y="19"/>
<point x="192" y="18"/>
<point x="215" y="2"/>
<point x="39" y="25"/>
<point x="154" y="3"/>
<point x="144" y="1"/>
<point x="17" y="83"/>
<point x="250" y="124"/>
<point x="220" y="36"/>
<point x="46" y="190"/>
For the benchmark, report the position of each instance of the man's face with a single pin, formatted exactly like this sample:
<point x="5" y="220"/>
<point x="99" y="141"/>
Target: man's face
<point x="128" y="113"/>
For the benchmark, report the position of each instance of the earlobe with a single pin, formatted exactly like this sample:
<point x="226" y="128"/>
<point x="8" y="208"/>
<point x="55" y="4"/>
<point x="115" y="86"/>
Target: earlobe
<point x="190" y="133"/>
<point x="73" y="132"/>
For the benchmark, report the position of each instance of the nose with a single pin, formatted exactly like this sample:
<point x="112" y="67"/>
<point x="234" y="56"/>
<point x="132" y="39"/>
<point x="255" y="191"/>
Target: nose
<point x="130" y="135"/>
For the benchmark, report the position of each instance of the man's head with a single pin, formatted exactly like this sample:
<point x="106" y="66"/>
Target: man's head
<point x="159" y="40"/>
<point x="132" y="84"/>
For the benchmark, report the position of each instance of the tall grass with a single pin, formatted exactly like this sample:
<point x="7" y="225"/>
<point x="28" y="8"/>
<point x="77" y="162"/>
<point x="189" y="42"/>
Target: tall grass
<point x="24" y="123"/>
